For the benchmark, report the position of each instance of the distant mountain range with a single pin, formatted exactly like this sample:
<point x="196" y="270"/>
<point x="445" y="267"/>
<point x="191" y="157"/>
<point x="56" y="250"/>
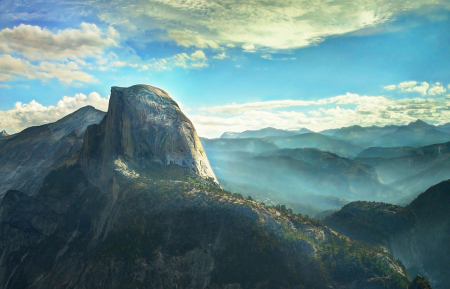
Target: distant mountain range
<point x="410" y="170"/>
<point x="318" y="141"/>
<point x="265" y="132"/>
<point x="418" y="234"/>
<point x="415" y="134"/>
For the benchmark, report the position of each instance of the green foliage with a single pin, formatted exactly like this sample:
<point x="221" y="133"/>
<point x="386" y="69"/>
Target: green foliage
<point x="138" y="238"/>
<point x="349" y="260"/>
<point x="371" y="222"/>
<point x="57" y="184"/>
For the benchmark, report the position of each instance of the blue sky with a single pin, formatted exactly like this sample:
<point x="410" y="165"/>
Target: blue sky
<point x="232" y="65"/>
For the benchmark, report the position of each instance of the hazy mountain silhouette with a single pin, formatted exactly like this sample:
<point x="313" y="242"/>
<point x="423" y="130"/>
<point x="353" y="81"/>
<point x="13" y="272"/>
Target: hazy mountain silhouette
<point x="264" y="132"/>
<point x="318" y="141"/>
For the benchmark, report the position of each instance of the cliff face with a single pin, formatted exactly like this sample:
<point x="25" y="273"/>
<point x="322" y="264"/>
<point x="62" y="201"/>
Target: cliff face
<point x="27" y="157"/>
<point x="144" y="129"/>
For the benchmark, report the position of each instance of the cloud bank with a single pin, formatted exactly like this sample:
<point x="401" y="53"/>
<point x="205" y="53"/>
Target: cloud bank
<point x="24" y="115"/>
<point x="38" y="53"/>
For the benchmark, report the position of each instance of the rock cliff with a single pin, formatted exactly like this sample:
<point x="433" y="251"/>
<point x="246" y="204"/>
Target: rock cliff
<point x="144" y="129"/>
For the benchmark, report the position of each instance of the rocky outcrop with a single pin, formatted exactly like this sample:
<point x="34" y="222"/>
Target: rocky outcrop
<point x="144" y="129"/>
<point x="27" y="157"/>
<point x="3" y="134"/>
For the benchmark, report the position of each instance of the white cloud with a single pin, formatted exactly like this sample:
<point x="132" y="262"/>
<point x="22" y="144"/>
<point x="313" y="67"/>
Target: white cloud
<point x="5" y="86"/>
<point x="36" y="43"/>
<point x="120" y="63"/>
<point x="270" y="57"/>
<point x="222" y="55"/>
<point x="34" y="113"/>
<point x="390" y="87"/>
<point x="348" y="98"/>
<point x="437" y="89"/>
<point x="11" y="67"/>
<point x="327" y="113"/>
<point x="190" y="38"/>
<point x="196" y="60"/>
<point x="38" y="53"/>
<point x="411" y="86"/>
<point x="252" y="24"/>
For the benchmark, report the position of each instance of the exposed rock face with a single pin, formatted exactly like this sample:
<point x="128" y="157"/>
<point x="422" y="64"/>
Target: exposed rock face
<point x="27" y="157"/>
<point x="144" y="127"/>
<point x="4" y="133"/>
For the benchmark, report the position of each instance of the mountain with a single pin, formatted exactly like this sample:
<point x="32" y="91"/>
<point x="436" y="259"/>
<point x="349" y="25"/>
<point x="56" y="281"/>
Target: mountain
<point x="252" y="145"/>
<point x="415" y="134"/>
<point x="388" y="153"/>
<point x="418" y="234"/>
<point x="139" y="207"/>
<point x="413" y="170"/>
<point x="3" y="134"/>
<point x="318" y="141"/>
<point x="438" y="171"/>
<point x="444" y="127"/>
<point x="143" y="129"/>
<point x="329" y="132"/>
<point x="263" y="133"/>
<point x="229" y="134"/>
<point x="419" y="125"/>
<point x="27" y="157"/>
<point x="362" y="136"/>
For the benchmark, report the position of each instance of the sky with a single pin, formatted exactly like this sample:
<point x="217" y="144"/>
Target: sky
<point x="232" y="65"/>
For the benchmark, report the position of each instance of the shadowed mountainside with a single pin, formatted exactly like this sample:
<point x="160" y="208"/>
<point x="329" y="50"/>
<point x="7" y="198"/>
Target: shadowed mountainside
<point x="27" y="157"/>
<point x="418" y="234"/>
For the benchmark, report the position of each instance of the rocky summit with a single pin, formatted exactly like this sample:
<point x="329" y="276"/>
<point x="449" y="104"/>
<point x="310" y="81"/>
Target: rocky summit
<point x="144" y="129"/>
<point x="4" y="133"/>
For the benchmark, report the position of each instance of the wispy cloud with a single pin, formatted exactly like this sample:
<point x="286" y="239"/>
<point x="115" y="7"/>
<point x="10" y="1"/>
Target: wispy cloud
<point x="252" y="25"/>
<point x="11" y="68"/>
<point x="197" y="59"/>
<point x="234" y="108"/>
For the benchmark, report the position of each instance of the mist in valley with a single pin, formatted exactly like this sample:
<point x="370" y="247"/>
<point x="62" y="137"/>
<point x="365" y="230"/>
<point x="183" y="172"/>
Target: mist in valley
<point x="315" y="172"/>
